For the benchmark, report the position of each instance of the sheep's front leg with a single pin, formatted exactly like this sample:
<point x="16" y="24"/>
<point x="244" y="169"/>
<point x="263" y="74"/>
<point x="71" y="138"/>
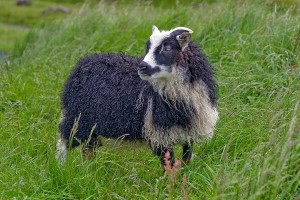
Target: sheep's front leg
<point x="187" y="154"/>
<point x="166" y="156"/>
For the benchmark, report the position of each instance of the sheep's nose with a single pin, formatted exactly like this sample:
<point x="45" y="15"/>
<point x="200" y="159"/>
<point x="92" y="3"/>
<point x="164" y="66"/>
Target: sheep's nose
<point x="143" y="67"/>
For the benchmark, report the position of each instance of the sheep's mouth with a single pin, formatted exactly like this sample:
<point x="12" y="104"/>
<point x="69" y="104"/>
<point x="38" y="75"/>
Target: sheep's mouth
<point x="143" y="76"/>
<point x="147" y="73"/>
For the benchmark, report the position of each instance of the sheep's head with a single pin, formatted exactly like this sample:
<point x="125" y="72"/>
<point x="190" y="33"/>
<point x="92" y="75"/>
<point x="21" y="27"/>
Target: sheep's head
<point x="162" y="50"/>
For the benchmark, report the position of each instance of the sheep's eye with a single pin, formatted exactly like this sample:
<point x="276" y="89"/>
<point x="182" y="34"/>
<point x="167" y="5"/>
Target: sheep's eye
<point x="167" y="48"/>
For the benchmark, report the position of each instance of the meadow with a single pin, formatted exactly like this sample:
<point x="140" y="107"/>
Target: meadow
<point x="254" y="48"/>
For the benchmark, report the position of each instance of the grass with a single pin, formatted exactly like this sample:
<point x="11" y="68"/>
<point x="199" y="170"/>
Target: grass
<point x="11" y="34"/>
<point x="29" y="15"/>
<point x="255" y="153"/>
<point x="15" y="21"/>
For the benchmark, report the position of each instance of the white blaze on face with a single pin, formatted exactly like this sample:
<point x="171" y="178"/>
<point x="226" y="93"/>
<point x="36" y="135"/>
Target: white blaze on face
<point x="156" y="39"/>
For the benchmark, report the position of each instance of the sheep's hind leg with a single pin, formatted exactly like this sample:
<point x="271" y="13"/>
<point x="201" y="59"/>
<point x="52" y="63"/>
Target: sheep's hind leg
<point x="61" y="151"/>
<point x="187" y="154"/>
<point x="89" y="149"/>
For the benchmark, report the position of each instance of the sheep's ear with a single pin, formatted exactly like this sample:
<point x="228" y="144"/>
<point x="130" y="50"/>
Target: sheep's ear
<point x="184" y="38"/>
<point x="154" y="29"/>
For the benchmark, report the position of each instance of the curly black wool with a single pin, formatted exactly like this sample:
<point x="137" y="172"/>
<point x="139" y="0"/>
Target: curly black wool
<point x="107" y="93"/>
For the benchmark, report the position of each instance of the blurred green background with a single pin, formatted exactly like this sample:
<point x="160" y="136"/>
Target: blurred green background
<point x="16" y="20"/>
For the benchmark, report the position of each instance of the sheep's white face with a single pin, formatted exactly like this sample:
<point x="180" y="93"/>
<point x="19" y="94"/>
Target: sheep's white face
<point x="161" y="52"/>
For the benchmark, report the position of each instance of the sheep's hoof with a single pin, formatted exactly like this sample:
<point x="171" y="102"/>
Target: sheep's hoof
<point x="89" y="150"/>
<point x="173" y="170"/>
<point x="188" y="160"/>
<point x="88" y="154"/>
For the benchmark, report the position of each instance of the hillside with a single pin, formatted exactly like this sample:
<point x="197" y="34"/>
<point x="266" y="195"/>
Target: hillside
<point x="254" y="49"/>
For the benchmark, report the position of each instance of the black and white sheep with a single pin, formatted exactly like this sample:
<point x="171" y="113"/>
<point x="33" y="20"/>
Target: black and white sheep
<point x="167" y="98"/>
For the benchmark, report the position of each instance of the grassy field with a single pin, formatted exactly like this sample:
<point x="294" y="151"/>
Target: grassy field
<point x="15" y="21"/>
<point x="255" y="153"/>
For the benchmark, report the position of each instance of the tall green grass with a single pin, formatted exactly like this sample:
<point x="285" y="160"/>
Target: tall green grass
<point x="255" y="153"/>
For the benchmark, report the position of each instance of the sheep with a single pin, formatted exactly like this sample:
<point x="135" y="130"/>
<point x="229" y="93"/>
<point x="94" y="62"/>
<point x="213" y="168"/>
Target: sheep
<point x="166" y="98"/>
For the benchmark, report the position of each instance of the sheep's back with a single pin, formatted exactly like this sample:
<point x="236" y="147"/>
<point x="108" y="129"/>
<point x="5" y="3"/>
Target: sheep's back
<point x="104" y="90"/>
